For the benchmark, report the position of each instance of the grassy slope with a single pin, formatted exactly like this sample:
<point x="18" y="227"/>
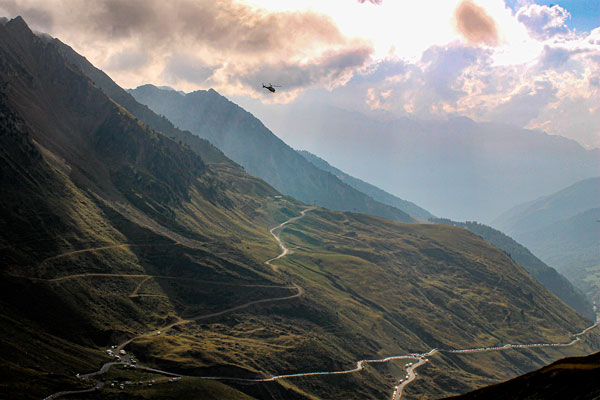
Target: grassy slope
<point x="412" y="292"/>
<point x="573" y="378"/>
<point x="546" y="275"/>
<point x="562" y="229"/>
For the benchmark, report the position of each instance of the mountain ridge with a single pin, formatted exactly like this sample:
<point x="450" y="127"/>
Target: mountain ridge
<point x="562" y="229"/>
<point x="571" y="378"/>
<point x="247" y="141"/>
<point x="371" y="190"/>
<point x="546" y="275"/>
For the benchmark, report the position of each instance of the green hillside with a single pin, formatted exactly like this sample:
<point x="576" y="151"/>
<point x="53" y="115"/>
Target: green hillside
<point x="562" y="229"/>
<point x="573" y="246"/>
<point x="544" y="274"/>
<point x="113" y="233"/>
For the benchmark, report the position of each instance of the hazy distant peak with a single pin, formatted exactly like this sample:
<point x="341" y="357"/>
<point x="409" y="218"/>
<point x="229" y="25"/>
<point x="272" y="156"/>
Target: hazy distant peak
<point x="3" y="20"/>
<point x="151" y="87"/>
<point x="165" y="87"/>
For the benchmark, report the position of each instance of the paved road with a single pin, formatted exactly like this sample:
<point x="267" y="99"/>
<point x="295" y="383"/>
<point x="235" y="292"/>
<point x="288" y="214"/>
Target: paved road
<point x="98" y="386"/>
<point x="180" y="321"/>
<point x="284" y="250"/>
<point x="421" y="358"/>
<point x="409" y="378"/>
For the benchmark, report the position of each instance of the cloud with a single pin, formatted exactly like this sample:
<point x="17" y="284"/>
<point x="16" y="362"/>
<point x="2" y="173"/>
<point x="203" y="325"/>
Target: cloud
<point x="329" y="69"/>
<point x="127" y="59"/>
<point x="376" y="2"/>
<point x="556" y="91"/>
<point x="188" y="41"/>
<point x="544" y="22"/>
<point x="444" y="67"/>
<point x="525" y="105"/>
<point x="560" y="59"/>
<point x="184" y="67"/>
<point x="475" y="25"/>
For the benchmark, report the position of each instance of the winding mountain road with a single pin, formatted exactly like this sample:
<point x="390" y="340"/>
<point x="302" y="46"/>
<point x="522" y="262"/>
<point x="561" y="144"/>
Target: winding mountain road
<point x="284" y="250"/>
<point x="421" y="358"/>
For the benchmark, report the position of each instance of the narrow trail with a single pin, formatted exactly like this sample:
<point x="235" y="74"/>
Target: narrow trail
<point x="89" y="250"/>
<point x="421" y="358"/>
<point x="181" y="321"/>
<point x="138" y="286"/>
<point x="176" y="278"/>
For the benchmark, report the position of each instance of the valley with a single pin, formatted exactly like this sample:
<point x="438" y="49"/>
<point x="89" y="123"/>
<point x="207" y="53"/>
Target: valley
<point x="397" y="393"/>
<point x="124" y="236"/>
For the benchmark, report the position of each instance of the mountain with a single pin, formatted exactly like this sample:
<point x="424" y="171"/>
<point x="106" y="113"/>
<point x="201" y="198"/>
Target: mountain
<point x="248" y="142"/>
<point x="563" y="230"/>
<point x="544" y="274"/>
<point x="368" y="189"/>
<point x="570" y="378"/>
<point x="113" y="233"/>
<point x="209" y="153"/>
<point x="535" y="215"/>
<point x="95" y="198"/>
<point x="456" y="168"/>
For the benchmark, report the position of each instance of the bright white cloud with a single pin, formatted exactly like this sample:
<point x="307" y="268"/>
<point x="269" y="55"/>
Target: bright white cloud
<point x="544" y="22"/>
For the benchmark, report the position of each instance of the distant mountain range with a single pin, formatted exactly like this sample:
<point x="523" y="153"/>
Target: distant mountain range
<point x="544" y="274"/>
<point x="244" y="139"/>
<point x="563" y="230"/>
<point x="373" y="191"/>
<point x="455" y="168"/>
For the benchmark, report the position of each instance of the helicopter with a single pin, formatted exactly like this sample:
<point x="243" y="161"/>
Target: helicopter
<point x="270" y="88"/>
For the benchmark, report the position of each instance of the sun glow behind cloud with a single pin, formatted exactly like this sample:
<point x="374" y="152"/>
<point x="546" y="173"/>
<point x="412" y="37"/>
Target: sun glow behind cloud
<point x="394" y="28"/>
<point x="426" y="59"/>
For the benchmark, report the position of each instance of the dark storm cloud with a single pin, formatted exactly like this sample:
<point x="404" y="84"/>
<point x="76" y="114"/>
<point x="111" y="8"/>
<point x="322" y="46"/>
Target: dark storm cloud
<point x="475" y="24"/>
<point x="247" y="30"/>
<point x="127" y="59"/>
<point x="43" y="18"/>
<point x="222" y="25"/>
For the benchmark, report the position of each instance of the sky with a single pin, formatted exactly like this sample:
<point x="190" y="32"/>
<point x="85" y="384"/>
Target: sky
<point x="533" y="64"/>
